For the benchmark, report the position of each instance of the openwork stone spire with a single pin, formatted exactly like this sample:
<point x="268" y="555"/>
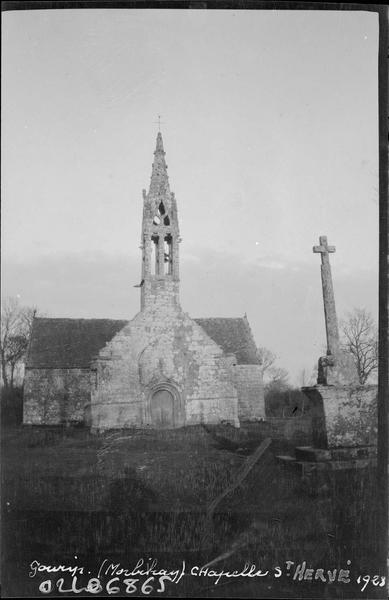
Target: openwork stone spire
<point x="159" y="183"/>
<point x="160" y="239"/>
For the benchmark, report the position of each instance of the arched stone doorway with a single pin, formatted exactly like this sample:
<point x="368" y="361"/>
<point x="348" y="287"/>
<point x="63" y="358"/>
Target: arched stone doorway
<point x="162" y="409"/>
<point x="165" y="407"/>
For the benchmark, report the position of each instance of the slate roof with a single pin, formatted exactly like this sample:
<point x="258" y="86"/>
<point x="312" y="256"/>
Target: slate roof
<point x="73" y="343"/>
<point x="69" y="343"/>
<point x="234" y="336"/>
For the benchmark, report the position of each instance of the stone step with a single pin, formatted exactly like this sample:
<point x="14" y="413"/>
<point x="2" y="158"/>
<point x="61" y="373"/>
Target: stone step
<point x="358" y="463"/>
<point x="345" y="453"/>
<point x="306" y="467"/>
<point x="351" y="453"/>
<point x="336" y="465"/>
<point x="311" y="454"/>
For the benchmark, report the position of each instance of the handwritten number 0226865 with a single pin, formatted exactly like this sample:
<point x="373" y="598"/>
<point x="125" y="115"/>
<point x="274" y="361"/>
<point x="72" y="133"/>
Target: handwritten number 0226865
<point x="94" y="586"/>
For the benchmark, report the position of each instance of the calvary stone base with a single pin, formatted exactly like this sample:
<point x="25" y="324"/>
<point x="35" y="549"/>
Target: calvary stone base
<point x="343" y="415"/>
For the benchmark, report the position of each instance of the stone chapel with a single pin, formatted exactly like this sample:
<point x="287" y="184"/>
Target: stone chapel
<point x="162" y="369"/>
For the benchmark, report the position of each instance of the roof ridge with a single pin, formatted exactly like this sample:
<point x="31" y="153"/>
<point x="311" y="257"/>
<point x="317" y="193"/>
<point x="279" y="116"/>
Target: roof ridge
<point x="220" y="318"/>
<point x="79" y="319"/>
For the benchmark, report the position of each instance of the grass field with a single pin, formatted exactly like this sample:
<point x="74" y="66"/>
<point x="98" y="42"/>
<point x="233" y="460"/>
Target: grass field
<point x="131" y="494"/>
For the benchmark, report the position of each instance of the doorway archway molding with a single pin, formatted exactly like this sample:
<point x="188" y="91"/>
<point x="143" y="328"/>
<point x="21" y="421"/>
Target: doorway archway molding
<point x="178" y="404"/>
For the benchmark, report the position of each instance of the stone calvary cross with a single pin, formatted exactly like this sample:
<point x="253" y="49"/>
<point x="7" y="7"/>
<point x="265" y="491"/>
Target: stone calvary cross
<point x="332" y="331"/>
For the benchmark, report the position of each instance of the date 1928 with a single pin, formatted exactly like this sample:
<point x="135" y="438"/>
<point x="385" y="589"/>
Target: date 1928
<point x="376" y="580"/>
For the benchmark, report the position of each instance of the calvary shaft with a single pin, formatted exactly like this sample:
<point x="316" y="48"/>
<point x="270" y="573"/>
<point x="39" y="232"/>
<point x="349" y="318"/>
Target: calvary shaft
<point x="332" y="331"/>
<point x="331" y="320"/>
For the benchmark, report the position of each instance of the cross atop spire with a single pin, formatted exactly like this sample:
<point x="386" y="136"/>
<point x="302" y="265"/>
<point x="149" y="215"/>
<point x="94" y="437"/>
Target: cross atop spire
<point x="158" y="122"/>
<point x="159" y="184"/>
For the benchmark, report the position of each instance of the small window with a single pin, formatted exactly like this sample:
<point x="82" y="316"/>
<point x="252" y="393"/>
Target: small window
<point x="161" y="208"/>
<point x="166" y="220"/>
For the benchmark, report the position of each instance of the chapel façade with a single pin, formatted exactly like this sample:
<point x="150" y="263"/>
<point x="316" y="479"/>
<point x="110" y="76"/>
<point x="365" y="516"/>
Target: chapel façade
<point x="162" y="369"/>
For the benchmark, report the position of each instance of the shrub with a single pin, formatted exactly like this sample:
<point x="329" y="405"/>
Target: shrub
<point x="286" y="403"/>
<point x="11" y="406"/>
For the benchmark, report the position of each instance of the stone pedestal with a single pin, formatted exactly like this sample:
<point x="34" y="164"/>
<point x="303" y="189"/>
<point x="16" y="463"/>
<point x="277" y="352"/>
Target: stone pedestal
<point x="343" y="415"/>
<point x="337" y="369"/>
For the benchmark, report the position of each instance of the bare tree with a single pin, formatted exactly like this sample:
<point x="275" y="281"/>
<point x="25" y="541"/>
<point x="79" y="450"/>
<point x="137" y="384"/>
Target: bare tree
<point x="275" y="378"/>
<point x="267" y="359"/>
<point x="360" y="340"/>
<point x="16" y="324"/>
<point x="278" y="379"/>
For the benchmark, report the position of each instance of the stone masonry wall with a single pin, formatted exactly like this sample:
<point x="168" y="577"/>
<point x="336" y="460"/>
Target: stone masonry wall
<point x="162" y="346"/>
<point x="343" y="415"/>
<point x="56" y="396"/>
<point x="249" y="385"/>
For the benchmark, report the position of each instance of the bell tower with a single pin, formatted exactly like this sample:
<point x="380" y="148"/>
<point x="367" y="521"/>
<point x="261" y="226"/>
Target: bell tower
<point x="160" y="238"/>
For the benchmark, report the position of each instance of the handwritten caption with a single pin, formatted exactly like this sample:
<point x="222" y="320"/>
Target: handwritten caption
<point x="148" y="577"/>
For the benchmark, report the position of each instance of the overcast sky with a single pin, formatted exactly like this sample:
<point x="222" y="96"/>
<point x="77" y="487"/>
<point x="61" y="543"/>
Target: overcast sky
<point x="270" y="129"/>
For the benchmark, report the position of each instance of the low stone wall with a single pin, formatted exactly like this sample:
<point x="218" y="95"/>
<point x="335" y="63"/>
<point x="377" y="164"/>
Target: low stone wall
<point x="343" y="415"/>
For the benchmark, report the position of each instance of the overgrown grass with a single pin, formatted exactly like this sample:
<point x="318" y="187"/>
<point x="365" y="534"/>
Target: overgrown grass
<point x="133" y="493"/>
